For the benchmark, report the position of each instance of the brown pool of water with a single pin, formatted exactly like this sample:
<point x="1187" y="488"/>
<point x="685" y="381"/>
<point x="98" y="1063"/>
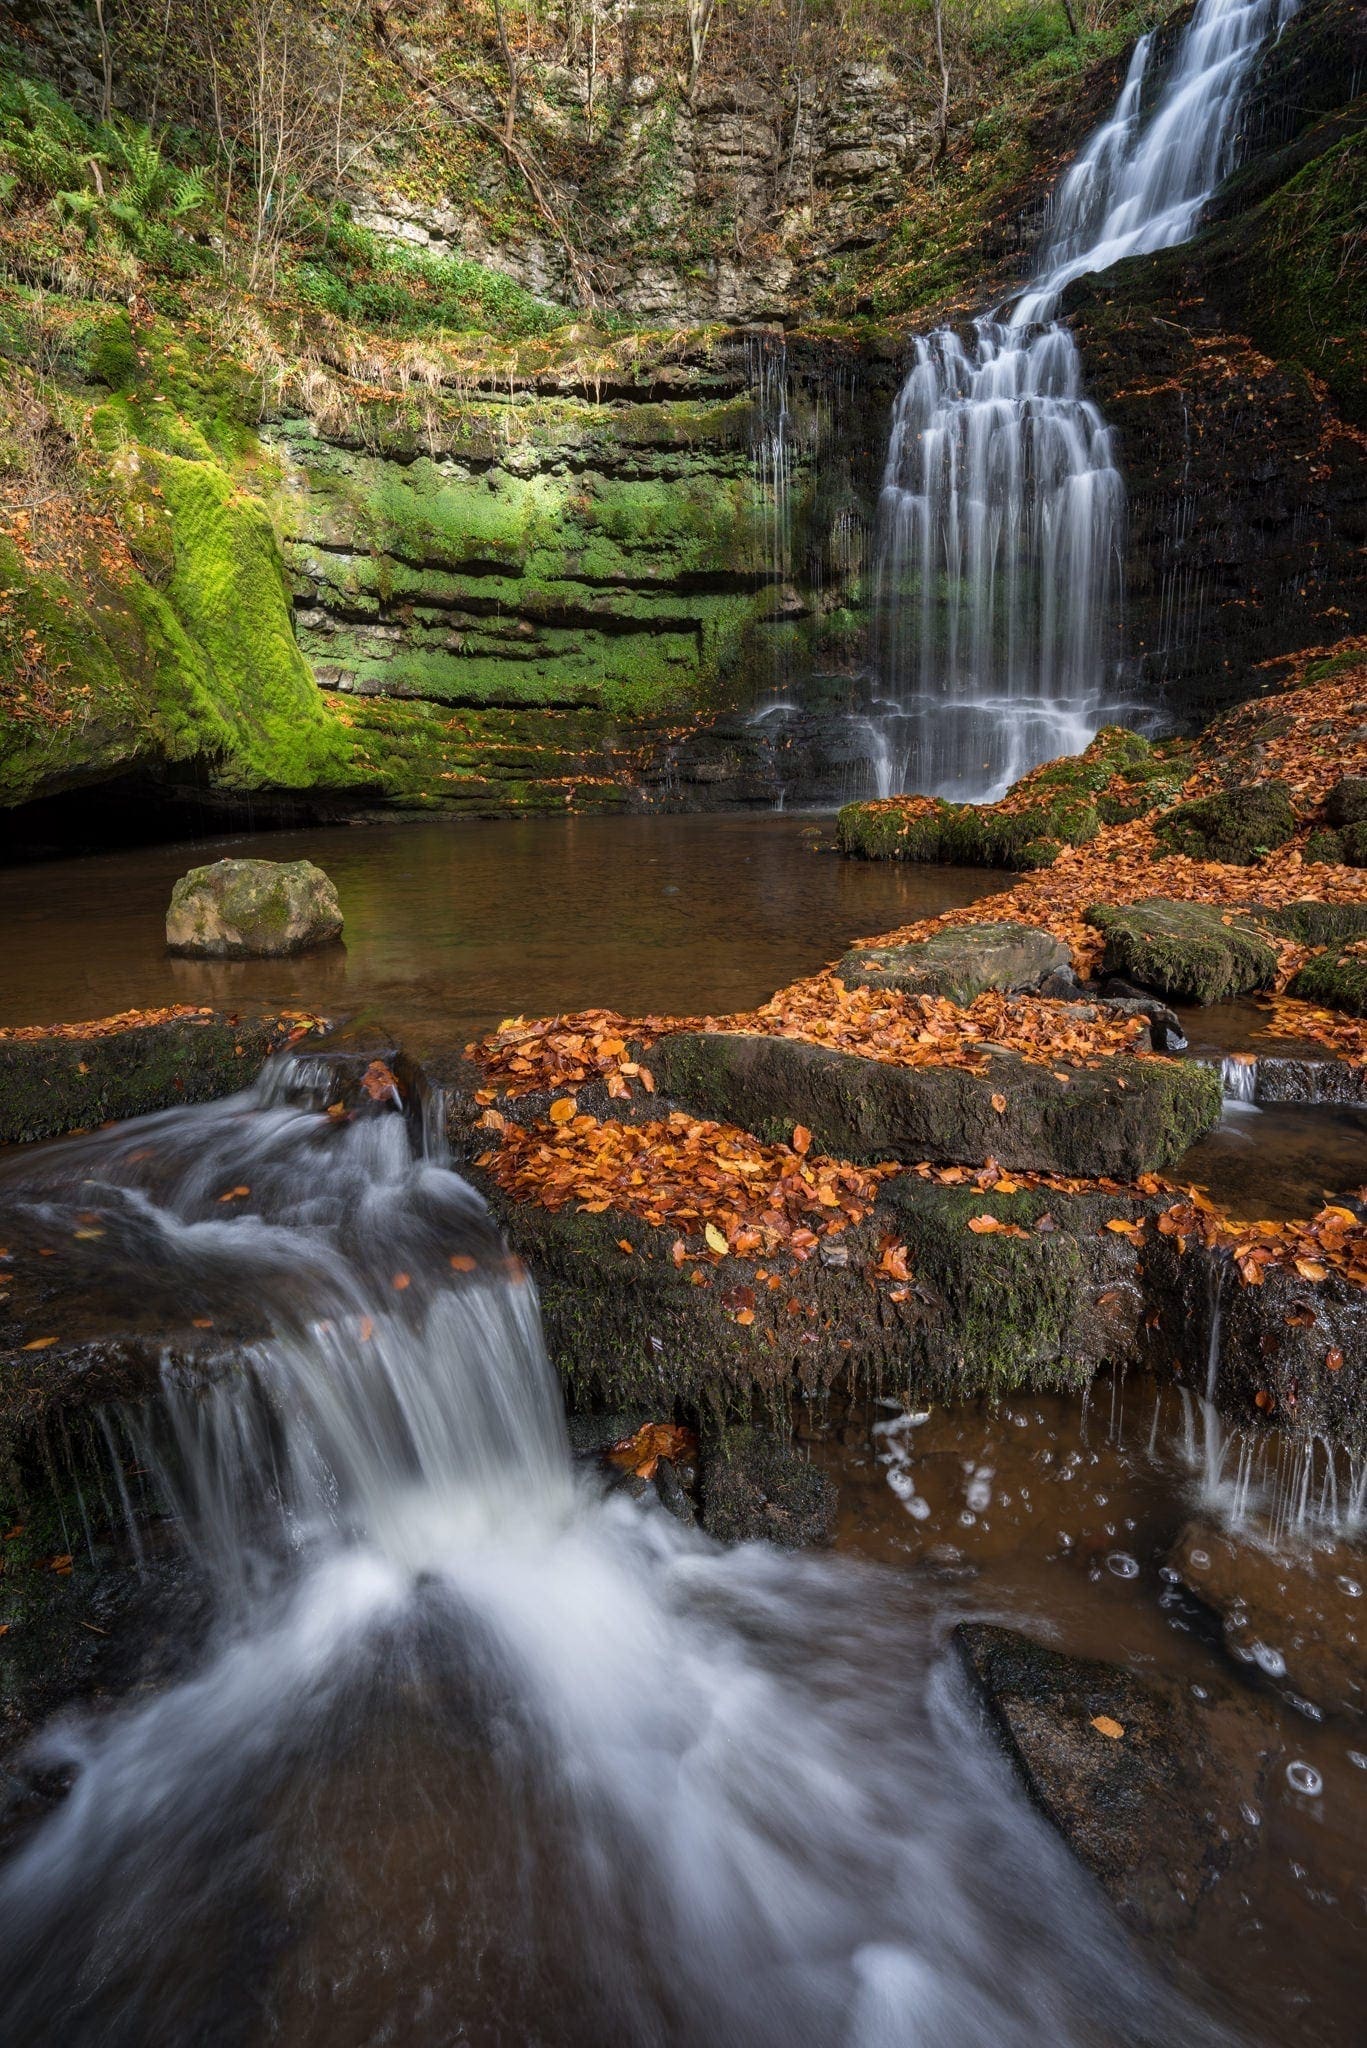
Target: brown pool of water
<point x="449" y="926"/>
<point x="1059" y="1517"/>
<point x="1279" y="1161"/>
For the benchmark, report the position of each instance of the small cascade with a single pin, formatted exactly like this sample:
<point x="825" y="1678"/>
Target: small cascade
<point x="1275" y="1488"/>
<point x="1001" y="517"/>
<point x="471" y="1750"/>
<point x="1239" y="1079"/>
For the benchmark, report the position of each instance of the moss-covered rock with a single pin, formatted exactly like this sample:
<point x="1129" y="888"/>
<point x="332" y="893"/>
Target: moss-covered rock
<point x="1235" y="826"/>
<point x="252" y="909"/>
<point x="960" y="962"/>
<point x="1190" y="952"/>
<point x="1122" y="1117"/>
<point x="53" y="1084"/>
<point x="1354" y="842"/>
<point x="756" y="1486"/>
<point x="1335" y="979"/>
<point x="1326" y="847"/>
<point x="1346" y="803"/>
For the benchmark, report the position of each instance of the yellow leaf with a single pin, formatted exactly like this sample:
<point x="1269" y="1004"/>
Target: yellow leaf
<point x="40" y="1344"/>
<point x="715" y="1240"/>
<point x="563" y="1109"/>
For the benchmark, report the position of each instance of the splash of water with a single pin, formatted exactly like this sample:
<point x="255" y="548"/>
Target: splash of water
<point x="1001" y="517"/>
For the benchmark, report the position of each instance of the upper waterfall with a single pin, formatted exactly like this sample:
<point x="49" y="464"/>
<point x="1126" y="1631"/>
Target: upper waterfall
<point x="1001" y="516"/>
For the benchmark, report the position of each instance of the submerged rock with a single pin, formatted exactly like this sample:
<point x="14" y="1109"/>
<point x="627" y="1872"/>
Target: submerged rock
<point x="1122" y="1117"/>
<point x="1150" y="1792"/>
<point x="246" y="909"/>
<point x="1297" y="1615"/>
<point x="1188" y="951"/>
<point x="961" y="962"/>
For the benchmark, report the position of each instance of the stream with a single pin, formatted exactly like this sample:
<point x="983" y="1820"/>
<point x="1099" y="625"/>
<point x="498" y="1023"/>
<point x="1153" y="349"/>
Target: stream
<point x="463" y="1746"/>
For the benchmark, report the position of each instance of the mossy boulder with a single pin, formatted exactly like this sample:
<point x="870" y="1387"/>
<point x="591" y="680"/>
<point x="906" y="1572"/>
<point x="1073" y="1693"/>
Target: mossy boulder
<point x="1346" y="803"/>
<point x="1353" y="839"/>
<point x="1325" y="848"/>
<point x="60" y="1082"/>
<point x="960" y="962"/>
<point x="1123" y="1117"/>
<point x="755" y="1485"/>
<point x="1235" y="826"/>
<point x="1337" y="979"/>
<point x="1190" y="952"/>
<point x="252" y="909"/>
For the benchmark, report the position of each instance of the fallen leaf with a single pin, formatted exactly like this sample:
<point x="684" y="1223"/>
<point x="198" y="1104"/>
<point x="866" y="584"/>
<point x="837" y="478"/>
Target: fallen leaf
<point x="563" y="1109"/>
<point x="235" y="1195"/>
<point x="715" y="1239"/>
<point x="642" y="1452"/>
<point x="402" y="1280"/>
<point x="379" y="1081"/>
<point x="1104" y="1725"/>
<point x="39" y="1344"/>
<point x="802" y="1140"/>
<point x="463" y="1263"/>
<point x="999" y="1104"/>
<point x="1334" y="1359"/>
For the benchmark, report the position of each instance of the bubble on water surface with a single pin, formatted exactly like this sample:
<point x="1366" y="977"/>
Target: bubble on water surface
<point x="1123" y="1565"/>
<point x="1303" y="1777"/>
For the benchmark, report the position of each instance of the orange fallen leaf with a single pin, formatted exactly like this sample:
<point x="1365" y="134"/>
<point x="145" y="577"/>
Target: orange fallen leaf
<point x="202" y="1322"/>
<point x="379" y="1081"/>
<point x="999" y="1103"/>
<point x="39" y="1344"/>
<point x="463" y="1263"/>
<point x="234" y="1194"/>
<point x="1334" y="1359"/>
<point x="1104" y="1725"/>
<point x="563" y="1109"/>
<point x="642" y="1452"/>
<point x="802" y="1140"/>
<point x="402" y="1280"/>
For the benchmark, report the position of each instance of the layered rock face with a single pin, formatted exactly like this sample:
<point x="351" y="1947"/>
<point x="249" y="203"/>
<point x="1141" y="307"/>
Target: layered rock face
<point x="559" y="591"/>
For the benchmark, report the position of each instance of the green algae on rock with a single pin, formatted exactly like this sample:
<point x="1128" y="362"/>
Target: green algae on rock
<point x="1235" y="826"/>
<point x="252" y="909"/>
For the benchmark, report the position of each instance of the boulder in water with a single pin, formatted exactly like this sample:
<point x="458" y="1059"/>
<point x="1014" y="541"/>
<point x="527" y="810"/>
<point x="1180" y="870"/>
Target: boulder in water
<point x="1191" y="952"/>
<point x="252" y="909"/>
<point x="1151" y="1792"/>
<point x="960" y="962"/>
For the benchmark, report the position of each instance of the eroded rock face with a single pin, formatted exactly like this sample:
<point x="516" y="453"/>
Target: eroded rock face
<point x="1147" y="1789"/>
<point x="961" y="962"/>
<point x="1299" y="1616"/>
<point x="252" y="909"/>
<point x="1192" y="952"/>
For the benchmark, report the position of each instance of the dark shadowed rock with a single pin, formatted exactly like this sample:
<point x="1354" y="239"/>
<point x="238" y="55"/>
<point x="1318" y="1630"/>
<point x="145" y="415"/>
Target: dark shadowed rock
<point x="755" y="1485"/>
<point x="1154" y="1810"/>
<point x="1346" y="803"/>
<point x="1123" y="1117"/>
<point x="960" y="962"/>
<point x="1191" y="952"/>
<point x="244" y="909"/>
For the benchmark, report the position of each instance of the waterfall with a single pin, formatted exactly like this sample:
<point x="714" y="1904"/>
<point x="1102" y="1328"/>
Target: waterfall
<point x="1001" y="515"/>
<point x="473" y="1751"/>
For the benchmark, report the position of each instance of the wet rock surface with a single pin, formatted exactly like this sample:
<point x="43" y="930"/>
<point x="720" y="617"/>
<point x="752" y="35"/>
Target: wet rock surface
<point x="755" y="1486"/>
<point x="960" y="963"/>
<point x="252" y="909"/>
<point x="1298" y="1615"/>
<point x="1087" y="1123"/>
<point x="1145" y="1786"/>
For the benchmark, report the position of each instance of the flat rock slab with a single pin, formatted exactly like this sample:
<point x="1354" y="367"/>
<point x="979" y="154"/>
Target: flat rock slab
<point x="1153" y="1811"/>
<point x="56" y="1083"/>
<point x="1190" y="952"/>
<point x="961" y="962"/>
<point x="1299" y="1616"/>
<point x="1124" y="1117"/>
<point x="252" y="909"/>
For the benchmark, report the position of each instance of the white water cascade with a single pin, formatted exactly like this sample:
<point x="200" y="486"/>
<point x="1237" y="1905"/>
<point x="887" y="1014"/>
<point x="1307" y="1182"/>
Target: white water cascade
<point x="1001" y="516"/>
<point x="470" y="1752"/>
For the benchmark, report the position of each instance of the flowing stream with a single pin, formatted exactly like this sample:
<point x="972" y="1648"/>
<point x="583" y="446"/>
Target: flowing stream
<point x="473" y="1752"/>
<point x="1001" y="518"/>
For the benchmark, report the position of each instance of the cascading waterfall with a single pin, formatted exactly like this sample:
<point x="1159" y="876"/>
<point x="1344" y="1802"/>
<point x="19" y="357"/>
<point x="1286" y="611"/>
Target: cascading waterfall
<point x="472" y="1752"/>
<point x="1001" y="516"/>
